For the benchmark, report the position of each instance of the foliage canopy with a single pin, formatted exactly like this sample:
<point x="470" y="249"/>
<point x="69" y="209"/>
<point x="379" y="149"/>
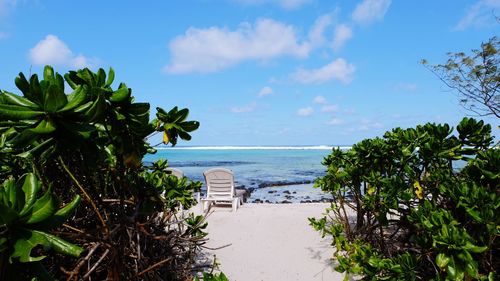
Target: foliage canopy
<point x="403" y="211"/>
<point x="76" y="199"/>
<point x="475" y="77"/>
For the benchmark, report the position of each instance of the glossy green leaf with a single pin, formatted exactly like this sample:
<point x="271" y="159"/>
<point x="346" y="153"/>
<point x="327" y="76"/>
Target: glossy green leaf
<point x="100" y="77"/>
<point x="48" y="73"/>
<point x="111" y="77"/>
<point x="13" y="112"/>
<point x="190" y="126"/>
<point x="11" y="191"/>
<point x="35" y="92"/>
<point x="161" y="114"/>
<point x="24" y="245"/>
<point x="22" y="84"/>
<point x="60" y="245"/>
<point x="84" y="107"/>
<point x="181" y="115"/>
<point x="471" y="269"/>
<point x="62" y="214"/>
<point x="59" y="82"/>
<point x="13" y="99"/>
<point x="120" y="95"/>
<point x="31" y="186"/>
<point x="44" y="127"/>
<point x="184" y="135"/>
<point x="43" y="208"/>
<point x="29" y="239"/>
<point x="38" y="149"/>
<point x="139" y="108"/>
<point x="54" y="99"/>
<point x="473" y="248"/>
<point x="75" y="99"/>
<point x="476" y="215"/>
<point x="70" y="82"/>
<point x="25" y="138"/>
<point x="442" y="260"/>
<point x="4" y="191"/>
<point x="86" y="75"/>
<point x="96" y="110"/>
<point x="173" y="111"/>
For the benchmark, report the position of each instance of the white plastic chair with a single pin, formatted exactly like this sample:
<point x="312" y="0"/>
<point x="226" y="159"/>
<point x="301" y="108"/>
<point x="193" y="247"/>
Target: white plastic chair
<point x="175" y="172"/>
<point x="220" y="188"/>
<point x="180" y="174"/>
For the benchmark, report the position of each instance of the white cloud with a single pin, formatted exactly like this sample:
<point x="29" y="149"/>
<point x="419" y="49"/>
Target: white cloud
<point x="342" y="34"/>
<point x="244" y="109"/>
<point x="320" y="100"/>
<point x="325" y="108"/>
<point x="367" y="125"/>
<point x="316" y="34"/>
<point x="335" y="122"/>
<point x="370" y="11"/>
<point x="405" y="87"/>
<point x="51" y="50"/>
<point x="213" y="49"/>
<point x="482" y="13"/>
<point x="330" y="108"/>
<point x="266" y="91"/>
<point x="287" y="4"/>
<point x="338" y="69"/>
<point x="306" y="111"/>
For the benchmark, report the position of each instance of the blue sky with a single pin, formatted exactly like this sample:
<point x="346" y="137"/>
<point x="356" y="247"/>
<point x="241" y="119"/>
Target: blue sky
<point x="260" y="72"/>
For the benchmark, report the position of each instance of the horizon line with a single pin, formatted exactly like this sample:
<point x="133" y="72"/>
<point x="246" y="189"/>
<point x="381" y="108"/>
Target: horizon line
<point x="255" y="147"/>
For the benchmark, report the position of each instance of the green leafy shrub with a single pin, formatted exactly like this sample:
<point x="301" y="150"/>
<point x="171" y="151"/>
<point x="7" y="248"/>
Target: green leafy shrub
<point x="76" y="200"/>
<point x="213" y="277"/>
<point x="403" y="211"/>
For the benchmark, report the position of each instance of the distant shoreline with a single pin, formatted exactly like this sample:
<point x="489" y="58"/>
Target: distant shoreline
<point x="264" y="147"/>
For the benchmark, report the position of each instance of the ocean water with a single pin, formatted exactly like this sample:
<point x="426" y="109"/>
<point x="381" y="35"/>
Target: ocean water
<point x="274" y="174"/>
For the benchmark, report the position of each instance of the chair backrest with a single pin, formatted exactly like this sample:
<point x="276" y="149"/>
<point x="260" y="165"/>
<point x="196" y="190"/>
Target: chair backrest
<point x="220" y="183"/>
<point x="175" y="172"/>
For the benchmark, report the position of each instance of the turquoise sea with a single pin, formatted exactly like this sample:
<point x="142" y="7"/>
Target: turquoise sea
<point x="273" y="174"/>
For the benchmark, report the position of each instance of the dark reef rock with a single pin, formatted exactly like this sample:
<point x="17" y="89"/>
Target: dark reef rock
<point x="283" y="183"/>
<point x="242" y="193"/>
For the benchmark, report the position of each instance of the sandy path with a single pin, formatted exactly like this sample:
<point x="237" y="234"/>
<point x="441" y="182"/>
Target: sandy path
<point x="271" y="242"/>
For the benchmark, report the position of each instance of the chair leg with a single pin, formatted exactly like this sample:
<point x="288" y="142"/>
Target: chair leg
<point x="236" y="202"/>
<point x="204" y="205"/>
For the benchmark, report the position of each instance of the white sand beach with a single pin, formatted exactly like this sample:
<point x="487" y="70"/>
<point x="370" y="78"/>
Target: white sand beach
<point x="270" y="242"/>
